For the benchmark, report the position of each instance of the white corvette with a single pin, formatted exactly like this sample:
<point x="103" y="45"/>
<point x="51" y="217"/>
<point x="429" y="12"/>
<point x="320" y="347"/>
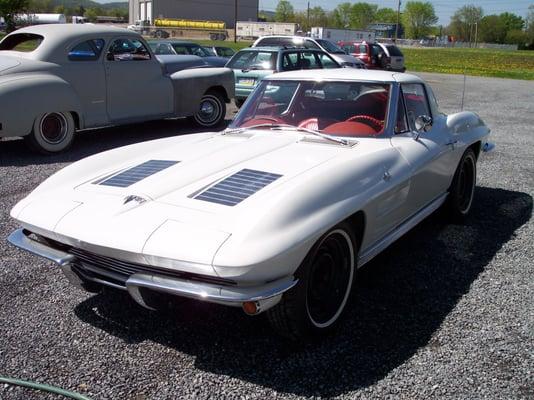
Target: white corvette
<point x="317" y="174"/>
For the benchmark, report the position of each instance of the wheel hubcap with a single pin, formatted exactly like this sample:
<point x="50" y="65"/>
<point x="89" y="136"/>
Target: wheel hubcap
<point x="330" y="279"/>
<point x="209" y="111"/>
<point x="53" y="128"/>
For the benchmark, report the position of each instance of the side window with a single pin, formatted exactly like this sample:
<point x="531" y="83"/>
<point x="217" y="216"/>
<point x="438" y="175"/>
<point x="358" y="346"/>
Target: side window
<point x="363" y="49"/>
<point x="327" y="61"/>
<point x="127" y="50"/>
<point x="309" y="60"/>
<point x="87" y="51"/>
<point x="311" y="45"/>
<point x="416" y="101"/>
<point x="402" y="123"/>
<point x="290" y="61"/>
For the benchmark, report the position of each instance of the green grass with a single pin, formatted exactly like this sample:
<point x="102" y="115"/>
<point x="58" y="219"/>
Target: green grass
<point x="225" y="43"/>
<point x="477" y="62"/>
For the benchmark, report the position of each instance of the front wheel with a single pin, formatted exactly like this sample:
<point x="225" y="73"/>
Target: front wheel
<point x="462" y="190"/>
<point x="212" y="110"/>
<point x="315" y="305"/>
<point x="52" y="132"/>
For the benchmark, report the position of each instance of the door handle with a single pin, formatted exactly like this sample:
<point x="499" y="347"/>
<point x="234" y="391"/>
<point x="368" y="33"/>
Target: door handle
<point x="451" y="143"/>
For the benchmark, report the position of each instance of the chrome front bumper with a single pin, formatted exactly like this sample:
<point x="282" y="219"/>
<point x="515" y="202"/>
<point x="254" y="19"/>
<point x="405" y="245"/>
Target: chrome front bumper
<point x="264" y="296"/>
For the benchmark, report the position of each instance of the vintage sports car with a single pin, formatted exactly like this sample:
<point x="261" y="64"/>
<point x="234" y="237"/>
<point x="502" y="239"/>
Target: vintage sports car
<point x="319" y="172"/>
<point x="70" y="77"/>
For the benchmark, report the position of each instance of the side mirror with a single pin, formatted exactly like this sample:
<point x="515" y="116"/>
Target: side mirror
<point x="423" y="123"/>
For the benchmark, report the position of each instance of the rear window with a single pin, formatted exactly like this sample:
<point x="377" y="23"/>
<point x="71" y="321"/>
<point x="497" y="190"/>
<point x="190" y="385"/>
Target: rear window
<point x="24" y="42"/>
<point x="394" y="51"/>
<point x="253" y="60"/>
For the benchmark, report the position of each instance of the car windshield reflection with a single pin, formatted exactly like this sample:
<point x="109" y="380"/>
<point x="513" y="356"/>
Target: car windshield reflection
<point x="352" y="109"/>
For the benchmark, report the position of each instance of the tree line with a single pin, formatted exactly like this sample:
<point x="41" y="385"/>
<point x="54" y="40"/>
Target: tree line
<point x="9" y="9"/>
<point x="419" y="21"/>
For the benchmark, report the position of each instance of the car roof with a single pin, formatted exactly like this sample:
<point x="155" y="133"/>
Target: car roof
<point x="174" y="42"/>
<point x="281" y="49"/>
<point x="58" y="37"/>
<point x="347" y="74"/>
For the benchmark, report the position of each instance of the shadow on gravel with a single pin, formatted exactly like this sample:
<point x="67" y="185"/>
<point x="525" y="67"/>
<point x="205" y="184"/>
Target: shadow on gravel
<point x="401" y="299"/>
<point x="14" y="152"/>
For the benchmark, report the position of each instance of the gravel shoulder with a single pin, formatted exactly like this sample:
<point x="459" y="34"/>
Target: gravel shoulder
<point x="446" y="312"/>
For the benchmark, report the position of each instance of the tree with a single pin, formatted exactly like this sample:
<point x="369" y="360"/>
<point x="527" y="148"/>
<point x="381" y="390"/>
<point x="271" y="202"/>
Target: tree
<point x="362" y="14"/>
<point x="512" y="21"/>
<point x="318" y="17"/>
<point x="386" y="14"/>
<point x="92" y="13"/>
<point x="491" y="29"/>
<point x="418" y="17"/>
<point x="463" y="22"/>
<point x="341" y="16"/>
<point x="284" y="12"/>
<point x="517" y="36"/>
<point x="9" y="9"/>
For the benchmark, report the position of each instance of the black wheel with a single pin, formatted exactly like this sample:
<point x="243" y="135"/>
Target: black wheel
<point x="462" y="190"/>
<point x="315" y="305"/>
<point x="212" y="110"/>
<point x="52" y="132"/>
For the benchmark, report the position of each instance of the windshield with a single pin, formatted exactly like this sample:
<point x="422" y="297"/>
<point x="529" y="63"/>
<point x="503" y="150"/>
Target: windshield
<point x="330" y="47"/>
<point x="253" y="60"/>
<point x="334" y="108"/>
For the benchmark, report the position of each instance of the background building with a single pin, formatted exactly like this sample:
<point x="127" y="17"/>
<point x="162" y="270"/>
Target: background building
<point x="219" y="10"/>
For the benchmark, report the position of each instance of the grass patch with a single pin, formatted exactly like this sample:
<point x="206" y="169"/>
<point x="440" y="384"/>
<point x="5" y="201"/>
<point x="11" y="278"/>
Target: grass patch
<point x="477" y="62"/>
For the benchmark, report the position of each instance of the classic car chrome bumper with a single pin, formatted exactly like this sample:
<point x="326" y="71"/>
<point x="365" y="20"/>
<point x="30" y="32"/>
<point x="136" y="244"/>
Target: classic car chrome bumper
<point x="259" y="298"/>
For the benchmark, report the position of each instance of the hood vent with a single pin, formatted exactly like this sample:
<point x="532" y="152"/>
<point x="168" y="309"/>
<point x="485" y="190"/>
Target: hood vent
<point x="236" y="188"/>
<point x="135" y="174"/>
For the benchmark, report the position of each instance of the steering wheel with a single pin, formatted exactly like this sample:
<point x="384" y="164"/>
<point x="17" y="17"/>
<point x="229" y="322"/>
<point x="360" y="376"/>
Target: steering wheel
<point x="374" y="123"/>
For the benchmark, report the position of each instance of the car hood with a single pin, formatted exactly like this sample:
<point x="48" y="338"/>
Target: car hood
<point x="344" y="58"/>
<point x="216" y="61"/>
<point x="80" y="202"/>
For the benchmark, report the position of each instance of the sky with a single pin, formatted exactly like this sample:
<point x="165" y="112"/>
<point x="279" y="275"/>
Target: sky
<point x="444" y="8"/>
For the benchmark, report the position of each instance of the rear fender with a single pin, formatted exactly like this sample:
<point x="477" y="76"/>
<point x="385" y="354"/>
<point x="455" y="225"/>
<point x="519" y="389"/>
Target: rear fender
<point x="24" y="98"/>
<point x="191" y="84"/>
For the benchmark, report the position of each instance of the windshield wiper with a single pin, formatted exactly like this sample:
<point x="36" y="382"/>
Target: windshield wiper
<point x="244" y="128"/>
<point x="290" y="128"/>
<point x="317" y="133"/>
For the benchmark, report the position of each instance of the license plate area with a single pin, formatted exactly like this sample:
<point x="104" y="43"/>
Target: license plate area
<point x="246" y="81"/>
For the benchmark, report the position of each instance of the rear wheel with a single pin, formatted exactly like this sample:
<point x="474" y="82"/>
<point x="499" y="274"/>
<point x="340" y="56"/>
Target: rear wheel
<point x="212" y="110"/>
<point x="462" y="191"/>
<point x="52" y="132"/>
<point x="315" y="305"/>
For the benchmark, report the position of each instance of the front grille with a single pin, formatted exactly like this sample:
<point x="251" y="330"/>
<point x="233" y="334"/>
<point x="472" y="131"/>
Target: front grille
<point x="118" y="271"/>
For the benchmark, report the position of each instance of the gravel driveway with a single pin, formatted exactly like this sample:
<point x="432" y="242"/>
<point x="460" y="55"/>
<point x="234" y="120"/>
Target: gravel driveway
<point x="446" y="312"/>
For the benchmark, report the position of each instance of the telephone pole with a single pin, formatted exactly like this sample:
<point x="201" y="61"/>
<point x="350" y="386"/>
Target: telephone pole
<point x="308" y="18"/>
<point x="235" y="21"/>
<point x="398" y="21"/>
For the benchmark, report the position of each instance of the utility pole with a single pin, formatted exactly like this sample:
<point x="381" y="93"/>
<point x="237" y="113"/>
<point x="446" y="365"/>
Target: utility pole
<point x="476" y="34"/>
<point x="235" y="21"/>
<point x="398" y="21"/>
<point x="308" y="18"/>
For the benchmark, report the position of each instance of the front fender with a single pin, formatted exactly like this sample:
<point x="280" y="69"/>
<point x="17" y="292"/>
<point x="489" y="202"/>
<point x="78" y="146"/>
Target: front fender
<point x="34" y="94"/>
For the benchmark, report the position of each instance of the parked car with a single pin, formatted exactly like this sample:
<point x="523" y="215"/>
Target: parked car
<point x="319" y="172"/>
<point x="221" y="51"/>
<point x="376" y="55"/>
<point x="186" y="48"/>
<point x="252" y="64"/>
<point x="95" y="76"/>
<point x="331" y="48"/>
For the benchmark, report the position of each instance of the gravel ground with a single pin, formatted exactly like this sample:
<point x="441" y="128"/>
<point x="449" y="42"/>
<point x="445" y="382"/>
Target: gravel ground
<point x="446" y="312"/>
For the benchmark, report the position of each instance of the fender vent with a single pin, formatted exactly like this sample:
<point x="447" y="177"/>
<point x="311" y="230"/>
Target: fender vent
<point x="236" y="188"/>
<point x="136" y="174"/>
